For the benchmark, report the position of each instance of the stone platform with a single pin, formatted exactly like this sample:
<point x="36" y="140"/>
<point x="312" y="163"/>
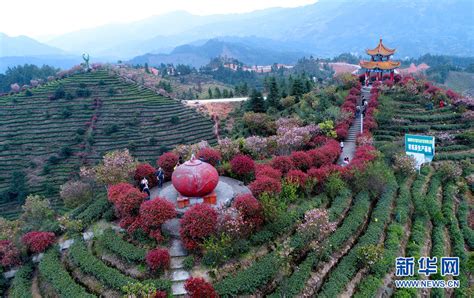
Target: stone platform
<point x="227" y="189"/>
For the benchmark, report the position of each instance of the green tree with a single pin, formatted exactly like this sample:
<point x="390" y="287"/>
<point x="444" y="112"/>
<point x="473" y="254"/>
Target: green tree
<point x="217" y="93"/>
<point x="225" y="93"/>
<point x="297" y="88"/>
<point x="38" y="215"/>
<point x="209" y="91"/>
<point x="273" y="98"/>
<point x="256" y="103"/>
<point x="147" y="70"/>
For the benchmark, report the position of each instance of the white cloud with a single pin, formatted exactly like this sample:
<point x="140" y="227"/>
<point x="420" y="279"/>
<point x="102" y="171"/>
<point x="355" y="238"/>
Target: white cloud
<point x="52" y="17"/>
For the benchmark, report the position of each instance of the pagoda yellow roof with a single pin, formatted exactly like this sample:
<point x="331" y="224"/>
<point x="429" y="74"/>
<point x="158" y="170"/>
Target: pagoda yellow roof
<point x="385" y="65"/>
<point x="381" y="49"/>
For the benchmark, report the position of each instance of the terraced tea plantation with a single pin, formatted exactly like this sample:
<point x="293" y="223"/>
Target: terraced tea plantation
<point x="49" y="132"/>
<point x="401" y="115"/>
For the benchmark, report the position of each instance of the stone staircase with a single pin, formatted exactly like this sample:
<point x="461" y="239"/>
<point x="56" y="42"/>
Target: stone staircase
<point x="354" y="130"/>
<point x="178" y="274"/>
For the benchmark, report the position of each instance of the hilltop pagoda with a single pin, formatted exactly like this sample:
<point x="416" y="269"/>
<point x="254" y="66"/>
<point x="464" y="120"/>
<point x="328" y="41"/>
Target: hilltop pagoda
<point x="379" y="63"/>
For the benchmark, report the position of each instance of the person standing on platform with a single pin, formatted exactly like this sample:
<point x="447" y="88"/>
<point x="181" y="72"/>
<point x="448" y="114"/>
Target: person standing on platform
<point x="160" y="176"/>
<point x="144" y="183"/>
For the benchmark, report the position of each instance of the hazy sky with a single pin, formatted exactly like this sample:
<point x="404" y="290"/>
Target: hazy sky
<point x="43" y="18"/>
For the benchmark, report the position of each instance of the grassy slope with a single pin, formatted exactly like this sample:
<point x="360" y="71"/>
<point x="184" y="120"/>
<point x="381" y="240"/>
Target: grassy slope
<point x="35" y="128"/>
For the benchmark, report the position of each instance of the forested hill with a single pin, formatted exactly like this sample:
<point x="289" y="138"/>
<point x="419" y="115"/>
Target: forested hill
<point x="48" y="132"/>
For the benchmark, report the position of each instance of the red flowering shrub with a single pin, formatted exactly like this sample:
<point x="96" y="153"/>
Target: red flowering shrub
<point x="147" y="171"/>
<point x="326" y="154"/>
<point x="283" y="163"/>
<point x="9" y="254"/>
<point x="348" y="106"/>
<point x="251" y="210"/>
<point x="198" y="223"/>
<point x="242" y="165"/>
<point x="126" y="199"/>
<point x="265" y="184"/>
<point x="369" y="123"/>
<point x="297" y="177"/>
<point x="301" y="160"/>
<point x="198" y="287"/>
<point x="268" y="171"/>
<point x="342" y="131"/>
<point x="160" y="294"/>
<point x="210" y="155"/>
<point x="37" y="242"/>
<point x="168" y="161"/>
<point x="158" y="259"/>
<point x="452" y="95"/>
<point x="354" y="91"/>
<point x="155" y="212"/>
<point x="351" y="99"/>
<point x="321" y="174"/>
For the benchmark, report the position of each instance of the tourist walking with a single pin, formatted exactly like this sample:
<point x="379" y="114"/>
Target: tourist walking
<point x="144" y="184"/>
<point x="160" y="176"/>
<point x="357" y="111"/>
<point x="346" y="161"/>
<point x="341" y="144"/>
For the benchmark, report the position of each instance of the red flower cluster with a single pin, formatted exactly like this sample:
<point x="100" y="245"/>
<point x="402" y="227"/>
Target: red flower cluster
<point x="297" y="177"/>
<point x="452" y="95"/>
<point x="265" y="184"/>
<point x="147" y="171"/>
<point x="9" y="254"/>
<point x="198" y="287"/>
<point x="301" y="160"/>
<point x="37" y="242"/>
<point x="283" y="163"/>
<point x="250" y="209"/>
<point x="198" y="223"/>
<point x="210" y="155"/>
<point x="268" y="171"/>
<point x="242" y="165"/>
<point x="168" y="161"/>
<point x="158" y="259"/>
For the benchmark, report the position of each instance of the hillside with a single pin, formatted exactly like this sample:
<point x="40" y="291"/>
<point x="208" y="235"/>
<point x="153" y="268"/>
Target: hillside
<point x="25" y="46"/>
<point x="47" y="139"/>
<point x="402" y="113"/>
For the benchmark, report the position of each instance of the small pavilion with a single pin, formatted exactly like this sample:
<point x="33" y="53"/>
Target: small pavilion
<point x="379" y="63"/>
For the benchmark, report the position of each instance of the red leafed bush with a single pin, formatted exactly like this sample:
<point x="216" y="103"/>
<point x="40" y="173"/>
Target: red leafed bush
<point x="265" y="184"/>
<point x="348" y="106"/>
<point x="198" y="287"/>
<point x="168" y="161"/>
<point x="158" y="259"/>
<point x="283" y="163"/>
<point x="452" y="95"/>
<point x="326" y="154"/>
<point x="242" y="165"/>
<point x="297" y="177"/>
<point x="369" y="124"/>
<point x="37" y="242"/>
<point x="210" y="155"/>
<point x="115" y="191"/>
<point x="318" y="140"/>
<point x="342" y="131"/>
<point x="127" y="203"/>
<point x="351" y="99"/>
<point x="354" y="91"/>
<point x="9" y="254"/>
<point x="198" y="223"/>
<point x="155" y="212"/>
<point x="160" y="294"/>
<point x="301" y="160"/>
<point x="321" y="174"/>
<point x="147" y="171"/>
<point x="268" y="171"/>
<point x="251" y="210"/>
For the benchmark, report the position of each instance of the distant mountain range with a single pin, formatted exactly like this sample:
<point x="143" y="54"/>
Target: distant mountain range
<point x="200" y="54"/>
<point x="323" y="29"/>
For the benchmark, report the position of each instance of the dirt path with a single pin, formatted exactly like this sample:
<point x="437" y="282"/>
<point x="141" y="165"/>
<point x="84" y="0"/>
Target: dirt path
<point x="35" y="289"/>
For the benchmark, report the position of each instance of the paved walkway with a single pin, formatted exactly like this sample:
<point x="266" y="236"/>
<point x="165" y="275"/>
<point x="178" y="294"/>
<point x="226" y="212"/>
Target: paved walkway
<point x="354" y="130"/>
